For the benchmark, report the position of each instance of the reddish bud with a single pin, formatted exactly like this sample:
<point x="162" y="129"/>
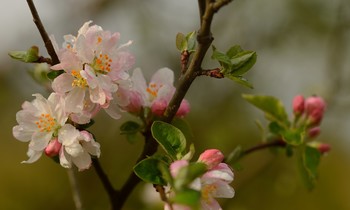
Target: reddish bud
<point x="324" y="148"/>
<point x="53" y="148"/>
<point x="183" y="109"/>
<point x="313" y="132"/>
<point x="314" y="107"/>
<point x="298" y="105"/>
<point x="158" y="107"/>
<point x="211" y="157"/>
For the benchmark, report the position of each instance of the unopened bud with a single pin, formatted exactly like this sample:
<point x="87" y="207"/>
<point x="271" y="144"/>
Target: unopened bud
<point x="321" y="147"/>
<point x="53" y="148"/>
<point x="183" y="109"/>
<point x="314" y="107"/>
<point x="298" y="105"/>
<point x="313" y="132"/>
<point x="211" y="157"/>
<point x="158" y="107"/>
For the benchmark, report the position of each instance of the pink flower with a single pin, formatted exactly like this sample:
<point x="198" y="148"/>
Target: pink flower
<point x="314" y="109"/>
<point x="313" y="132"/>
<point x="211" y="157"/>
<point x="156" y="95"/>
<point x="298" y="105"/>
<point x="94" y="65"/>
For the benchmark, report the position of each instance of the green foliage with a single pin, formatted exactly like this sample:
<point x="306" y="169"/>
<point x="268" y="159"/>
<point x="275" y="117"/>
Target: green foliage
<point x="131" y="130"/>
<point x="29" y="56"/>
<point x="310" y="160"/>
<point x="189" y="173"/>
<point x="170" y="138"/>
<point x="235" y="63"/>
<point x="188" y="197"/>
<point x="149" y="170"/>
<point x="186" y="43"/>
<point x="53" y="74"/>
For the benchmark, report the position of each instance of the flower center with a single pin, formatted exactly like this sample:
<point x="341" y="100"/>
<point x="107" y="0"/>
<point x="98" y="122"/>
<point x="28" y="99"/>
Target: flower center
<point x="152" y="89"/>
<point x="46" y="123"/>
<point x="206" y="191"/>
<point x="78" y="81"/>
<point x="102" y="64"/>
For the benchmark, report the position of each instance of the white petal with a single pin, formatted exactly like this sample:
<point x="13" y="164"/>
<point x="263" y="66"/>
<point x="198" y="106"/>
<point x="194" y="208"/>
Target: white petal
<point x="68" y="134"/>
<point x="74" y="149"/>
<point x="113" y="110"/>
<point x="82" y="161"/>
<point x="65" y="160"/>
<point x="40" y="140"/>
<point x="63" y="83"/>
<point x="75" y="100"/>
<point x="97" y="95"/>
<point x="21" y="133"/>
<point x="223" y="190"/>
<point x="33" y="156"/>
<point x="163" y="76"/>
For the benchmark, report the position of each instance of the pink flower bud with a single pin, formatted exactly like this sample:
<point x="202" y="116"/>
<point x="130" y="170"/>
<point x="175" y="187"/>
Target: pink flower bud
<point x="324" y="148"/>
<point x="135" y="102"/>
<point x="298" y="105"/>
<point x="314" y="107"/>
<point x="158" y="107"/>
<point x="313" y="132"/>
<point x="183" y="109"/>
<point x="53" y="148"/>
<point x="211" y="157"/>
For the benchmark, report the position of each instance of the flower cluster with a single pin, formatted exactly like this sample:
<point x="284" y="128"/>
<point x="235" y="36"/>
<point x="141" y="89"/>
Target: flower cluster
<point x="309" y="113"/>
<point x="214" y="183"/>
<point x="92" y="75"/>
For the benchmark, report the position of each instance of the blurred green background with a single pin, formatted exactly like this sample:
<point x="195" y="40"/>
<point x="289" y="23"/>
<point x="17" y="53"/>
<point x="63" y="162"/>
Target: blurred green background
<point x="302" y="46"/>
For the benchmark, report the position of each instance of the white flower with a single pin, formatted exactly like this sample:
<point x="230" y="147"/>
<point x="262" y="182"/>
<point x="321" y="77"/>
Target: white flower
<point x="39" y="122"/>
<point x="77" y="147"/>
<point x="94" y="65"/>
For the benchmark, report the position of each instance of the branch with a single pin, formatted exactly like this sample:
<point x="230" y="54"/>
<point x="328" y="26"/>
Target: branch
<point x="275" y="143"/>
<point x="75" y="189"/>
<point x="215" y="73"/>
<point x="48" y="44"/>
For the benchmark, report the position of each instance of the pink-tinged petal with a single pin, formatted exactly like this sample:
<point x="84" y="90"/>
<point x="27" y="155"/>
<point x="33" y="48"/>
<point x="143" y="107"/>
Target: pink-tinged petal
<point x="41" y="104"/>
<point x="75" y="149"/>
<point x="75" y="100"/>
<point x="40" y="140"/>
<point x="84" y="28"/>
<point x="68" y="134"/>
<point x="107" y="84"/>
<point x="164" y="76"/>
<point x="210" y="204"/>
<point x="21" y="133"/>
<point x="97" y="95"/>
<point x="212" y="175"/>
<point x="26" y="119"/>
<point x="63" y="83"/>
<point x="176" y="207"/>
<point x="81" y="118"/>
<point x="176" y="166"/>
<point x="165" y="92"/>
<point x="83" y="161"/>
<point x="138" y="81"/>
<point x="84" y="51"/>
<point x="33" y="156"/>
<point x="113" y="110"/>
<point x="158" y="107"/>
<point x="223" y="190"/>
<point x="65" y="159"/>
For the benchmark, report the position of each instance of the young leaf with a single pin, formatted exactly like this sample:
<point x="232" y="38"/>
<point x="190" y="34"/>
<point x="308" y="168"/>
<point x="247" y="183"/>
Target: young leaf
<point x="130" y="127"/>
<point x="53" y="74"/>
<point x="271" y="106"/>
<point x="170" y="138"/>
<point x="149" y="171"/>
<point x="191" y="41"/>
<point x="293" y="136"/>
<point x="242" y="63"/>
<point x="233" y="51"/>
<point x="29" y="56"/>
<point x="180" y="41"/>
<point x="223" y="59"/>
<point x="311" y="160"/>
<point x="240" y="80"/>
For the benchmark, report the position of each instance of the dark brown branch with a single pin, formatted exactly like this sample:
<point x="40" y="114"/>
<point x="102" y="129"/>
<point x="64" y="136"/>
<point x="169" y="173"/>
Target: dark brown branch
<point x="48" y="44"/>
<point x="215" y="73"/>
<point x="275" y="143"/>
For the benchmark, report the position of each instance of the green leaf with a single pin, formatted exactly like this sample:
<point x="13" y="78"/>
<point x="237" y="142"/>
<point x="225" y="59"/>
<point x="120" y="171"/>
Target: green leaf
<point x="240" y="80"/>
<point x="276" y="128"/>
<point x="149" y="170"/>
<point x="183" y="125"/>
<point x="188" y="197"/>
<point x="189" y="173"/>
<point x="130" y="127"/>
<point x="233" y="51"/>
<point x="221" y="57"/>
<point x="242" y="63"/>
<point x="271" y="106"/>
<point x="171" y="139"/>
<point x="293" y="136"/>
<point x="29" y="56"/>
<point x="311" y="159"/>
<point x="53" y="74"/>
<point x="181" y="43"/>
<point x="191" y="41"/>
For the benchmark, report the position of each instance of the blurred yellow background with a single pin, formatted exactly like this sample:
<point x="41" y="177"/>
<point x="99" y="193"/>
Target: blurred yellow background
<point x="302" y="46"/>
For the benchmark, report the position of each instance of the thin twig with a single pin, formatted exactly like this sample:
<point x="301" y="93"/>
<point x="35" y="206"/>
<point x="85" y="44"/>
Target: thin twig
<point x="48" y="44"/>
<point x="75" y="189"/>
<point x="275" y="143"/>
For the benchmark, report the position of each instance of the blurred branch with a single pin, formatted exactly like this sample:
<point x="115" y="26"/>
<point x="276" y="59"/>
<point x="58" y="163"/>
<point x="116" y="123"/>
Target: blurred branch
<point x="75" y="189"/>
<point x="48" y="44"/>
<point x="270" y="144"/>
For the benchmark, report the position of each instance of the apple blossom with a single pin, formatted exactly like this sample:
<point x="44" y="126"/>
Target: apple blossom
<point x="314" y="109"/>
<point x="298" y="105"/>
<point x="156" y="95"/>
<point x="93" y="65"/>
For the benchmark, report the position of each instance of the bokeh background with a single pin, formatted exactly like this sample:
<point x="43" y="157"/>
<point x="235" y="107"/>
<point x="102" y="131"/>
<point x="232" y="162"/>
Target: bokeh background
<point x="302" y="46"/>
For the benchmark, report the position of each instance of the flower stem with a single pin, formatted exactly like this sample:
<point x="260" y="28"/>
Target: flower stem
<point x="274" y="143"/>
<point x="75" y="189"/>
<point x="48" y="44"/>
